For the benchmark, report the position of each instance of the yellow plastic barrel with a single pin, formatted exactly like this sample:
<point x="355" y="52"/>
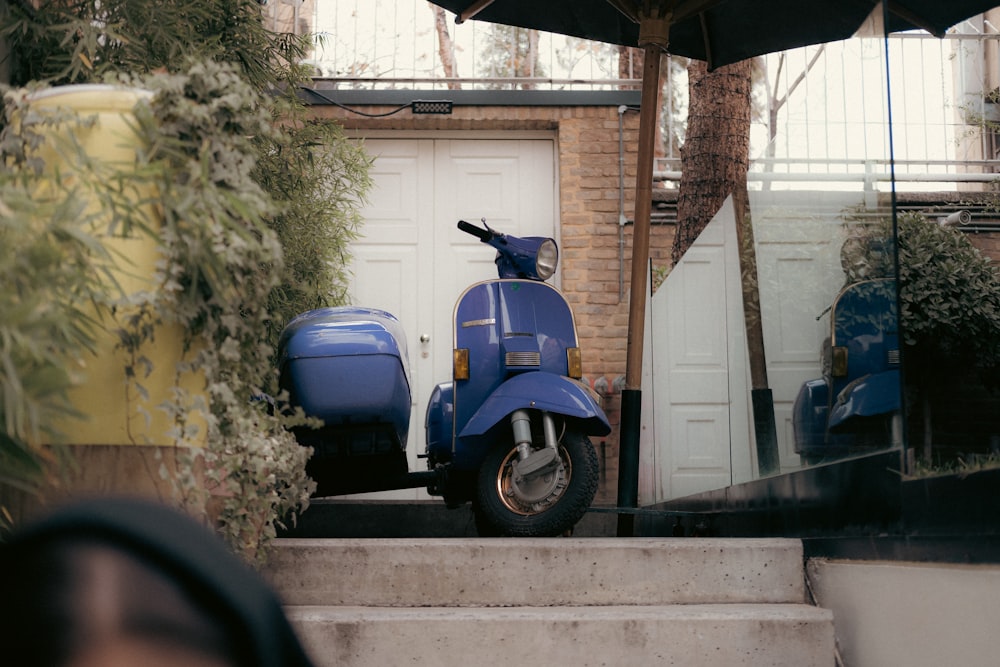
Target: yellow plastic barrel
<point x="115" y="412"/>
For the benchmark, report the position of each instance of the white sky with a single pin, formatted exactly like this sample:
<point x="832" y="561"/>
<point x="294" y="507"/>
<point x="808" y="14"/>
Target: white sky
<point x="399" y="36"/>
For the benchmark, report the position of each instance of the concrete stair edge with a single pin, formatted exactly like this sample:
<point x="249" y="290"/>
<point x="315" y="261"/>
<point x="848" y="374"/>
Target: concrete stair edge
<point x="501" y="572"/>
<point x="792" y="635"/>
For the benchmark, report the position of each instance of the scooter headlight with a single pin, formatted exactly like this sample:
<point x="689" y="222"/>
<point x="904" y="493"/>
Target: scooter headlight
<point x="531" y="257"/>
<point x="547" y="259"/>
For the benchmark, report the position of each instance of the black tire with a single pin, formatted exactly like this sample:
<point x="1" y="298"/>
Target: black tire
<point x="565" y="492"/>
<point x="483" y="527"/>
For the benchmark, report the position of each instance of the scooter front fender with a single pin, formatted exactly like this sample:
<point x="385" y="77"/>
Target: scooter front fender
<point x="868" y="396"/>
<point x="539" y="390"/>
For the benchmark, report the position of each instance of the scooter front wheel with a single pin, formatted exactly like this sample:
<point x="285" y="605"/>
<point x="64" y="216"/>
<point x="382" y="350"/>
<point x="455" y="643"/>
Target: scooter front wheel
<point x="543" y="504"/>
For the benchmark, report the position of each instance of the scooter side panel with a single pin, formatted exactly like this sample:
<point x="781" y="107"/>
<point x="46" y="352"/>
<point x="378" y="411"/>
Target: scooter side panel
<point x="439" y="422"/>
<point x="537" y="318"/>
<point x="499" y="319"/>
<point x="478" y="323"/>
<point x="864" y="321"/>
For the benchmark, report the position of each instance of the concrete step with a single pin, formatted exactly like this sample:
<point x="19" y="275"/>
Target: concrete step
<point x="792" y="635"/>
<point x="440" y="602"/>
<point x="466" y="572"/>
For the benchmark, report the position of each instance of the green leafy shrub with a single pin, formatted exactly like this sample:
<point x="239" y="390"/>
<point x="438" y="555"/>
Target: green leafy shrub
<point x="949" y="293"/>
<point x="47" y="261"/>
<point x="255" y="209"/>
<point x="318" y="178"/>
<point x="949" y="307"/>
<point x="80" y="41"/>
<point x="220" y="262"/>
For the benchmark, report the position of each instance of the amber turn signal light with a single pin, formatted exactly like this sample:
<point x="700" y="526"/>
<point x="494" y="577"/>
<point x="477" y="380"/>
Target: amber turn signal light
<point x="574" y="362"/>
<point x="460" y="364"/>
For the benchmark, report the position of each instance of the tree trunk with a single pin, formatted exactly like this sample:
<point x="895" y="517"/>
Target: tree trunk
<point x="715" y="155"/>
<point x="446" y="48"/>
<point x="714" y="163"/>
<point x="524" y="63"/>
<point x="777" y="99"/>
<point x="629" y="62"/>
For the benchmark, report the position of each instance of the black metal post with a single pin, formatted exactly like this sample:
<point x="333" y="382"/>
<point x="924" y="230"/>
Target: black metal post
<point x="628" y="459"/>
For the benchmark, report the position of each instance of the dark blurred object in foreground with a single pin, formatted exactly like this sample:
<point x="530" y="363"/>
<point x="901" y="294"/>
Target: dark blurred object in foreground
<point x="114" y="581"/>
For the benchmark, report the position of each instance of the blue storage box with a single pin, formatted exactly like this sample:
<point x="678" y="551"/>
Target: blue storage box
<point x="348" y="366"/>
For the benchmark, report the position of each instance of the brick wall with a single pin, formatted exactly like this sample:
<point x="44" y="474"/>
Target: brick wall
<point x="988" y="243"/>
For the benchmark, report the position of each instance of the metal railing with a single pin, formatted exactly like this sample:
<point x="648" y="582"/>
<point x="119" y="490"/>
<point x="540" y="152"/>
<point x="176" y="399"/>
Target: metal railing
<point x="834" y="114"/>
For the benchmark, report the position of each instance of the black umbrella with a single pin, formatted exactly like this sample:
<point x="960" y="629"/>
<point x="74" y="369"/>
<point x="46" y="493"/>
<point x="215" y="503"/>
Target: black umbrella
<point x="719" y="32"/>
<point x="716" y="31"/>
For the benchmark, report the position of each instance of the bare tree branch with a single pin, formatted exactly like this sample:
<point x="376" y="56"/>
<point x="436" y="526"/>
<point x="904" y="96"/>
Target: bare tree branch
<point x="446" y="47"/>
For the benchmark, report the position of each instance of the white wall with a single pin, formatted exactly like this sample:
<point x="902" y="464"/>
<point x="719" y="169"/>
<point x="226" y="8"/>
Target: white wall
<point x="912" y="614"/>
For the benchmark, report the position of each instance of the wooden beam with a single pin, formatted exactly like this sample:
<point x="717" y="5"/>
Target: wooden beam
<point x="471" y="11"/>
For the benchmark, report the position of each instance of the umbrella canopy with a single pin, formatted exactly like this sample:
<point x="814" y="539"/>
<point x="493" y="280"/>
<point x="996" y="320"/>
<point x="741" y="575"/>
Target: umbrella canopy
<point x="717" y="31"/>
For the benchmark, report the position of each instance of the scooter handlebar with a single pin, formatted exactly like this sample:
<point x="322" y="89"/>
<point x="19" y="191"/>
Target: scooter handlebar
<point x="484" y="235"/>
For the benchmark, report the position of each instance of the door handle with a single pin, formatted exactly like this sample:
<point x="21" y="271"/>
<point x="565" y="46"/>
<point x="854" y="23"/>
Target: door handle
<point x="425" y="338"/>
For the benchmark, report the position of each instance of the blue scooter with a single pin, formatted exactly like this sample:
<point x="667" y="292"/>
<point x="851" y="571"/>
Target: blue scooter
<point x="855" y="407"/>
<point x="509" y="433"/>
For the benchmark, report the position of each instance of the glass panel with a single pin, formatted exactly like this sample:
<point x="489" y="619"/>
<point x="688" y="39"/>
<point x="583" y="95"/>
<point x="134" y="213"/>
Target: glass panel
<point x="820" y="210"/>
<point x="821" y="202"/>
<point x="825" y="240"/>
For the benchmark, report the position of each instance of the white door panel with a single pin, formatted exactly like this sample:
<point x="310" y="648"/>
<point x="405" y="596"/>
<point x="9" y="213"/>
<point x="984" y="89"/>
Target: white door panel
<point x="381" y="280"/>
<point x="796" y="281"/>
<point x="509" y="182"/>
<point x="701" y="449"/>
<point x="695" y="331"/>
<point x="396" y="203"/>
<point x="700" y="436"/>
<point x="480" y="184"/>
<point x="387" y="260"/>
<point x="799" y="270"/>
<point x="698" y="368"/>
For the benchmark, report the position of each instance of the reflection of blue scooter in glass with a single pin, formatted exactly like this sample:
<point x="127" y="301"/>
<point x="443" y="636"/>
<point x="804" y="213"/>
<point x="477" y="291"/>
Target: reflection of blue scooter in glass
<point x="855" y="406"/>
<point x="509" y="433"/>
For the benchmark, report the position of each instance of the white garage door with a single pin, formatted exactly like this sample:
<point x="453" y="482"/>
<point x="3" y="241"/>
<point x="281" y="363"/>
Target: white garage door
<point x="411" y="259"/>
